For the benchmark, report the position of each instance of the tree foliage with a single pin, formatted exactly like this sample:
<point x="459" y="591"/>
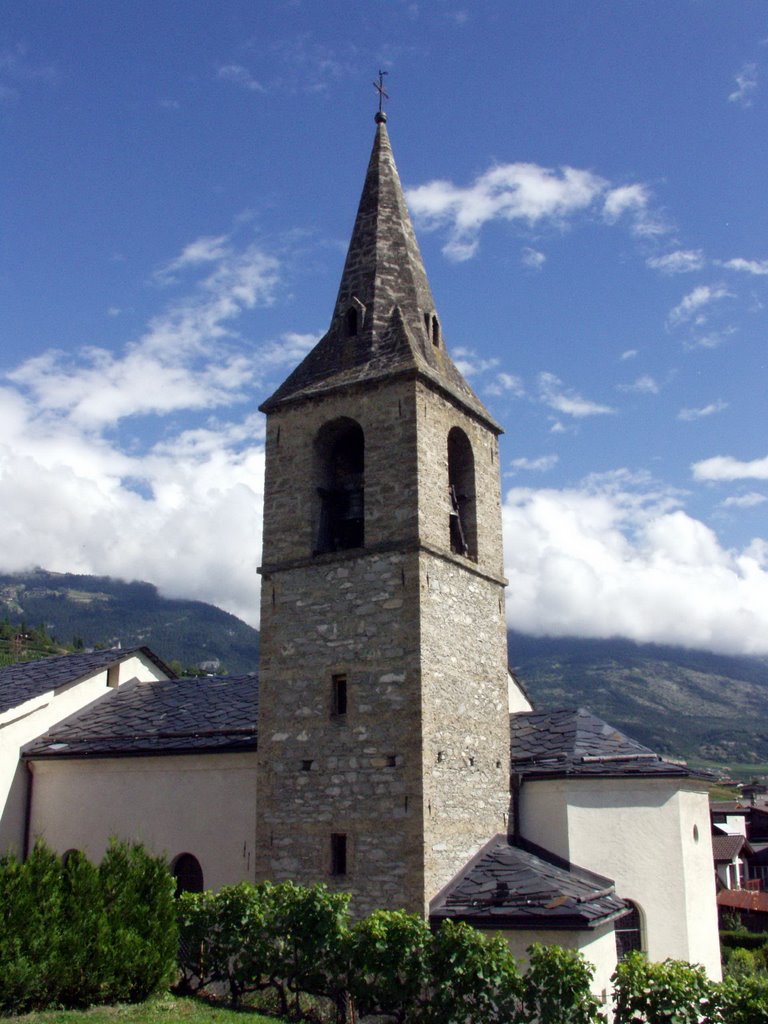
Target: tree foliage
<point x="72" y="934"/>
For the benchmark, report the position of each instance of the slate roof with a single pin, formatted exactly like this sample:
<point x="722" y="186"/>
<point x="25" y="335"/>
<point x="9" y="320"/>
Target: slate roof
<point x="384" y="273"/>
<point x="524" y="887"/>
<point x="549" y="744"/>
<point x="180" y="716"/>
<point x="28" y="679"/>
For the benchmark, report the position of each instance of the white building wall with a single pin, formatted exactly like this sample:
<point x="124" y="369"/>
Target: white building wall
<point x="27" y="721"/>
<point x="203" y="804"/>
<point x="598" y="946"/>
<point x="640" y="833"/>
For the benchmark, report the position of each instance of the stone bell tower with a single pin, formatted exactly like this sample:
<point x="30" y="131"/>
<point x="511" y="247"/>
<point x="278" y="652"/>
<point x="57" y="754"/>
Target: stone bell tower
<point x="383" y="728"/>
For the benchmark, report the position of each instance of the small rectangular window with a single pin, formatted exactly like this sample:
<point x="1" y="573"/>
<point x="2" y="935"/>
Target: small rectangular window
<point x="338" y="853"/>
<point x="113" y="675"/>
<point x="338" y="695"/>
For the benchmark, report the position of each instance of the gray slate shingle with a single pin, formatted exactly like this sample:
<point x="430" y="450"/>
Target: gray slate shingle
<point x="516" y="887"/>
<point x="576" y="742"/>
<point x="168" y="716"/>
<point x="28" y="679"/>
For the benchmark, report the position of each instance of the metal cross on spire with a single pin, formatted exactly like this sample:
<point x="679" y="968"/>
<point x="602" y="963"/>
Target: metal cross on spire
<point x="379" y="87"/>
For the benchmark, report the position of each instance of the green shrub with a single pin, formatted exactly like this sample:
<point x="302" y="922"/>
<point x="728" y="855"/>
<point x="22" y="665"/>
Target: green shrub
<point x="474" y="977"/>
<point x="742" y="1001"/>
<point x="672" y="992"/>
<point x="740" y="938"/>
<point x="72" y="934"/>
<point x="557" y="987"/>
<point x="388" y="963"/>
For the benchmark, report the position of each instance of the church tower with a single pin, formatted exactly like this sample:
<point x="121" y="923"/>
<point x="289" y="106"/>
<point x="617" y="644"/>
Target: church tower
<point x="383" y="724"/>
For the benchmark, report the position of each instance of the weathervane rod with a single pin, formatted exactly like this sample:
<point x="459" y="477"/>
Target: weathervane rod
<point x="379" y="87"/>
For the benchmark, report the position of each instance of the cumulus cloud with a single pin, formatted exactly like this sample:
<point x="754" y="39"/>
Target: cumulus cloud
<point x="702" y="412"/>
<point x="533" y="258"/>
<point x="83" y="490"/>
<point x="617" y="556"/>
<point x="522" y="192"/>
<point x="749" y="500"/>
<point x="726" y="467"/>
<point x="565" y="400"/>
<point x="644" y="385"/>
<point x="240" y="76"/>
<point x="682" y="261"/>
<point x="693" y="306"/>
<point x="540" y="465"/>
<point x="746" y="85"/>
<point x="758" y="267"/>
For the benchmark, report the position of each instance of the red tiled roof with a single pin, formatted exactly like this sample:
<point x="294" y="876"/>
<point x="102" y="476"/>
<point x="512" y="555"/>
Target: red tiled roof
<point x="742" y="899"/>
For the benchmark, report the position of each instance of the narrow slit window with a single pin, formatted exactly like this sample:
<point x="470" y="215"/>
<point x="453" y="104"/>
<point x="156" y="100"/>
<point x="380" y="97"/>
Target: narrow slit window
<point x="435" y="332"/>
<point x="338" y="695"/>
<point x="113" y="676"/>
<point x="352" y="321"/>
<point x="338" y="853"/>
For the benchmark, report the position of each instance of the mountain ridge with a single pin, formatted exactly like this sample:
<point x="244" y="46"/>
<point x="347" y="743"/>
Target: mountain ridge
<point x="681" y="702"/>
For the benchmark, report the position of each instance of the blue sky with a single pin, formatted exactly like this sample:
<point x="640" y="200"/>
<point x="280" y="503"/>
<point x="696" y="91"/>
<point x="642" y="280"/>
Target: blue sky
<point x="587" y="181"/>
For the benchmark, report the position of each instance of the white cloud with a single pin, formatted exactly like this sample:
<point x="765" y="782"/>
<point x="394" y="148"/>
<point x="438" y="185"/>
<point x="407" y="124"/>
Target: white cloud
<point x="470" y="364"/>
<point x="749" y="500"/>
<point x="181" y="362"/>
<point x="533" y="258"/>
<point x="631" y="353"/>
<point x="644" y="385"/>
<point x="540" y="465"/>
<point x="80" y="489"/>
<point x="240" y="76"/>
<point x="758" y="267"/>
<point x="618" y="557"/>
<point x="521" y="192"/>
<point x="746" y="84"/>
<point x="726" y="467"/>
<point x="682" y="261"/>
<point x="703" y="412"/>
<point x="506" y="383"/>
<point x="567" y="401"/>
<point x="692" y="305"/>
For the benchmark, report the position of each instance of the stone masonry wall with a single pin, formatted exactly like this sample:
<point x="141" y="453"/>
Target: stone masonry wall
<point x="416" y="772"/>
<point x="357" y="774"/>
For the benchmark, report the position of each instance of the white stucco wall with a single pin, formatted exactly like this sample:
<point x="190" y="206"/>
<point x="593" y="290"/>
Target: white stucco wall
<point x="640" y="833"/>
<point x="598" y="946"/>
<point x="199" y="804"/>
<point x="27" y="721"/>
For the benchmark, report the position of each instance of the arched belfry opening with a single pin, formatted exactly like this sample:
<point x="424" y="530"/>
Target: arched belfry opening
<point x="462" y="507"/>
<point x="340" y="476"/>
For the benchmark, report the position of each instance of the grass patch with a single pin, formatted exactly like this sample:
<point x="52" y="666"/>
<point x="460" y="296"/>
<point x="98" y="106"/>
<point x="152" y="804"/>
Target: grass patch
<point x="166" y="1009"/>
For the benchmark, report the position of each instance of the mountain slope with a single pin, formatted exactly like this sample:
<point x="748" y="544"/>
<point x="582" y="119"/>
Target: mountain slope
<point x="684" y="703"/>
<point x="97" y="609"/>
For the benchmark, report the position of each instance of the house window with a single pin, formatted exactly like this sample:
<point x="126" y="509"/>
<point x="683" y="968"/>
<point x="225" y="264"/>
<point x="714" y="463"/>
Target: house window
<point x="188" y="873"/>
<point x="628" y="930"/>
<point x="113" y="675"/>
<point x="340" y="474"/>
<point x="338" y="695"/>
<point x="462" y="512"/>
<point x="338" y="853"/>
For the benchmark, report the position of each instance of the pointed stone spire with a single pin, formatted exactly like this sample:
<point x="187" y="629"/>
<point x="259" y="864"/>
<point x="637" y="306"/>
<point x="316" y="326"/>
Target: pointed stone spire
<point x="384" y="267"/>
<point x="384" y="321"/>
